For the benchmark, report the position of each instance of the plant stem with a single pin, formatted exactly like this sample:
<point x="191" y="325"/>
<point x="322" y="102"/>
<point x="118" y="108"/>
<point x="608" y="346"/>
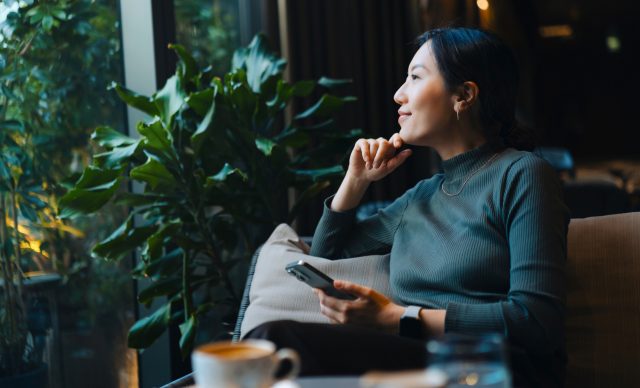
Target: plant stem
<point x="217" y="260"/>
<point x="186" y="286"/>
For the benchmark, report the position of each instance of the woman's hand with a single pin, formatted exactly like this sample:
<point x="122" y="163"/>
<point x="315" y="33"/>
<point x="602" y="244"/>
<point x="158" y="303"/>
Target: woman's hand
<point x="373" y="159"/>
<point x="371" y="308"/>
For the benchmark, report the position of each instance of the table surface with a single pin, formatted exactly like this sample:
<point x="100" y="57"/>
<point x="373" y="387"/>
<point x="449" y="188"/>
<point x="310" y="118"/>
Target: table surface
<point x="411" y="378"/>
<point x="301" y="382"/>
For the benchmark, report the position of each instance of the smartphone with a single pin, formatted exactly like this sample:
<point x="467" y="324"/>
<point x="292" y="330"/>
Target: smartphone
<point x="307" y="273"/>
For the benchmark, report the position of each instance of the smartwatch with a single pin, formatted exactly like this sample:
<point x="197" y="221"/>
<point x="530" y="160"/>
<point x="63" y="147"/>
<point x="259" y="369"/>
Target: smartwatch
<point x="410" y="324"/>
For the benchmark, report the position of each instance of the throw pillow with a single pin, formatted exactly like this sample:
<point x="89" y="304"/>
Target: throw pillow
<point x="275" y="295"/>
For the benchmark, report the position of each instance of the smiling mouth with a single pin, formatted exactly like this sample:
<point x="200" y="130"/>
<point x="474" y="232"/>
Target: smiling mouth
<point x="403" y="117"/>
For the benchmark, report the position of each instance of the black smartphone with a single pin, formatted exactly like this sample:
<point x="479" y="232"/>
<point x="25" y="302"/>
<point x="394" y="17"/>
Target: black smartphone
<point x="307" y="273"/>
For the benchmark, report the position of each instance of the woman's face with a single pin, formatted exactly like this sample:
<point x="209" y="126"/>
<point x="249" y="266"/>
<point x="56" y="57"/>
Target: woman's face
<point x="426" y="106"/>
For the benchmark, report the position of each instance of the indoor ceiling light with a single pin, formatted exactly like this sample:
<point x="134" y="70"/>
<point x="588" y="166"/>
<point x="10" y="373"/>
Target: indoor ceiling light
<point x="556" y="31"/>
<point x="613" y="43"/>
<point x="483" y="4"/>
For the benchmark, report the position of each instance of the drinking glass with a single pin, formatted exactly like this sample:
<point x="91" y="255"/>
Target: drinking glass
<point x="478" y="361"/>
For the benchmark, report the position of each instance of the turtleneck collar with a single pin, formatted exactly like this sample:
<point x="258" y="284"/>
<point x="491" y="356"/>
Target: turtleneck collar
<point x="460" y="166"/>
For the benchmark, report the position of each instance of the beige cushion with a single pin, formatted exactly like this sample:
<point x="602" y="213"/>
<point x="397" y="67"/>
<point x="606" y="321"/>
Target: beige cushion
<point x="603" y="301"/>
<point x="275" y="294"/>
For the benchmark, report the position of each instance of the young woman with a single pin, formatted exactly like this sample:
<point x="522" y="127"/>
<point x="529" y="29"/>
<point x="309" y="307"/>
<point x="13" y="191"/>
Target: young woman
<point x="479" y="248"/>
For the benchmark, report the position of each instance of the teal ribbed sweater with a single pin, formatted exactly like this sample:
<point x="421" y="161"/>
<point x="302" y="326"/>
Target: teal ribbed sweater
<point x="493" y="256"/>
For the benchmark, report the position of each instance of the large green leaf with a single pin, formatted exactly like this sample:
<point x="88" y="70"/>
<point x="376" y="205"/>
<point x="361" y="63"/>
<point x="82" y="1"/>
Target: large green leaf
<point x="12" y="125"/>
<point x="187" y="66"/>
<point x="331" y="83"/>
<point x="265" y="145"/>
<point x="201" y="132"/>
<point x="224" y="173"/>
<point x="169" y="100"/>
<point x="293" y="137"/>
<point x="138" y="101"/>
<point x="155" y="242"/>
<point x="123" y="240"/>
<point x="243" y="102"/>
<point x="258" y="62"/>
<point x="326" y="106"/>
<point x="163" y="287"/>
<point x="110" y="138"/>
<point x="319" y="173"/>
<point x="201" y="101"/>
<point x="145" y="331"/>
<point x="157" y="137"/>
<point x="303" y="88"/>
<point x="117" y="156"/>
<point x="28" y="212"/>
<point x="154" y="173"/>
<point x="142" y="199"/>
<point x="187" y="335"/>
<point x="163" y="266"/>
<point x="94" y="188"/>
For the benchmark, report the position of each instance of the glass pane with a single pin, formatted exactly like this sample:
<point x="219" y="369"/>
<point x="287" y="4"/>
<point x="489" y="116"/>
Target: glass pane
<point x="209" y="30"/>
<point x="57" y="60"/>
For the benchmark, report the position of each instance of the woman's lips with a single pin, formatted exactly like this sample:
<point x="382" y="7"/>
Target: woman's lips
<point x="403" y="117"/>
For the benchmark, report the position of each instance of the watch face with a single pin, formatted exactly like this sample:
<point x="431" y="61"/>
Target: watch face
<point x="410" y="327"/>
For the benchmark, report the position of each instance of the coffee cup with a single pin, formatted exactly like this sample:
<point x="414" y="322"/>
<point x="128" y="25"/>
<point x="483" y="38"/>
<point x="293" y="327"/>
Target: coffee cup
<point x="249" y="363"/>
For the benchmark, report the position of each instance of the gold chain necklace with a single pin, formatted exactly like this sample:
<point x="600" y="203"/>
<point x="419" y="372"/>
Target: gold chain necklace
<point x="469" y="177"/>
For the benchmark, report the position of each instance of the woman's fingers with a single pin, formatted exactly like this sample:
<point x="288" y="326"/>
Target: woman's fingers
<point x="332" y="308"/>
<point x="397" y="160"/>
<point x="377" y="153"/>
<point x="385" y="151"/>
<point x="331" y="302"/>
<point x="362" y="145"/>
<point x="373" y="151"/>
<point x="396" y="140"/>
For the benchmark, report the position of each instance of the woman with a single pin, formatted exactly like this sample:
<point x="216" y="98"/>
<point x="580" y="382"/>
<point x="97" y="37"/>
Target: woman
<point x="479" y="248"/>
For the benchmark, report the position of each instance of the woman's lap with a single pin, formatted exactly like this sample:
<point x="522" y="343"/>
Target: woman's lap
<point x="327" y="349"/>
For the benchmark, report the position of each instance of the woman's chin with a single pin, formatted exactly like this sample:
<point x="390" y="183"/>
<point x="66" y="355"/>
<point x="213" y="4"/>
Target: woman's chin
<point x="406" y="137"/>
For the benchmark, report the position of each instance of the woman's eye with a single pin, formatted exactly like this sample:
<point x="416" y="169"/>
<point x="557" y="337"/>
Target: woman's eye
<point x="414" y="77"/>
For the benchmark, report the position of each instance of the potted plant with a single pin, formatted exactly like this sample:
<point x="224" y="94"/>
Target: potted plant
<point x="20" y="358"/>
<point x="216" y="160"/>
<point x="51" y="58"/>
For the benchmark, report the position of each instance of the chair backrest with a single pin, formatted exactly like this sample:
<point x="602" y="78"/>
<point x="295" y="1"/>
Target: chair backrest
<point x="603" y="301"/>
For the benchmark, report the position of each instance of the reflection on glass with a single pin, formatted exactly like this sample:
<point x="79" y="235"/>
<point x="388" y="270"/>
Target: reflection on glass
<point x="57" y="60"/>
<point x="470" y="360"/>
<point x="209" y="30"/>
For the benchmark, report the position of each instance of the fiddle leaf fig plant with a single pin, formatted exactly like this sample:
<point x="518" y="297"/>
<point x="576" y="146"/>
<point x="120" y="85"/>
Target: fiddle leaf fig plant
<point x="216" y="160"/>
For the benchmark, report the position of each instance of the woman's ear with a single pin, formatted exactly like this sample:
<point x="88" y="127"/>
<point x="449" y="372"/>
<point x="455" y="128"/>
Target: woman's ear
<point x="465" y="96"/>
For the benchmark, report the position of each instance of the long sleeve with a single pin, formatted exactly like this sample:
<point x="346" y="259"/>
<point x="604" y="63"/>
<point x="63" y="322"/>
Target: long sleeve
<point x="535" y="221"/>
<point x="339" y="235"/>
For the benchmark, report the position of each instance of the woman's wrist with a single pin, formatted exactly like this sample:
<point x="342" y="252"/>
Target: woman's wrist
<point x="349" y="194"/>
<point x="432" y="322"/>
<point x="391" y="319"/>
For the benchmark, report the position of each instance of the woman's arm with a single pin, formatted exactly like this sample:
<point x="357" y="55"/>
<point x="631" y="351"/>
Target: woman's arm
<point x="536" y="221"/>
<point x="337" y="234"/>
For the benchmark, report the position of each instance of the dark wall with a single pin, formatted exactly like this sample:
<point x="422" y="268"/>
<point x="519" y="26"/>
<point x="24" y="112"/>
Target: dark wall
<point x="580" y="94"/>
<point x="370" y="42"/>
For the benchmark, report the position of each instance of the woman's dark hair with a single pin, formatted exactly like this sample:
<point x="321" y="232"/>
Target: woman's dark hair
<point x="469" y="54"/>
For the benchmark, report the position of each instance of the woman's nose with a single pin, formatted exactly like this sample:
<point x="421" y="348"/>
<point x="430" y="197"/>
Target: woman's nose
<point x="400" y="97"/>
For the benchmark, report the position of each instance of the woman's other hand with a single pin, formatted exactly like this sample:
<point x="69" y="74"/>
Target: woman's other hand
<point x="371" y="308"/>
<point x="373" y="159"/>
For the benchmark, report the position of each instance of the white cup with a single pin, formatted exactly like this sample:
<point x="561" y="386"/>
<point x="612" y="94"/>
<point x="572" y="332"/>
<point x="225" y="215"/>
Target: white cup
<point x="249" y="363"/>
